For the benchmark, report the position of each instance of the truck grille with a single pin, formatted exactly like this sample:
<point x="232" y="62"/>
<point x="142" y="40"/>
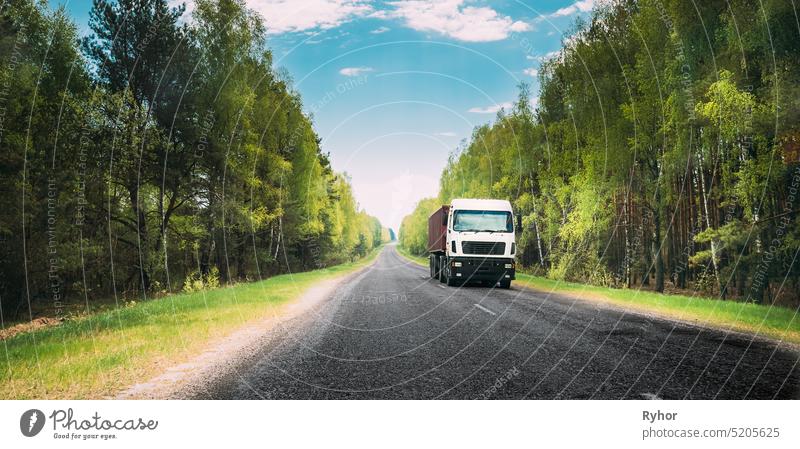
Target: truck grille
<point x="487" y="248"/>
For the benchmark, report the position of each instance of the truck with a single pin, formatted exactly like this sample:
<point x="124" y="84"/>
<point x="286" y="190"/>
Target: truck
<point x="472" y="240"/>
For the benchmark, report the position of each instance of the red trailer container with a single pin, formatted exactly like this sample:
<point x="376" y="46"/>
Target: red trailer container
<point x="437" y="230"/>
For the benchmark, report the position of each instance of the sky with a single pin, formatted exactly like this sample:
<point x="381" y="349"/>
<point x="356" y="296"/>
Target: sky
<point x="395" y="86"/>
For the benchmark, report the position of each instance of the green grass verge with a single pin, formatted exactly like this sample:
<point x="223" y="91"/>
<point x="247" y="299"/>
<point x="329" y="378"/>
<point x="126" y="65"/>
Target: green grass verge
<point x="778" y="323"/>
<point x="98" y="355"/>
<point x="416" y="259"/>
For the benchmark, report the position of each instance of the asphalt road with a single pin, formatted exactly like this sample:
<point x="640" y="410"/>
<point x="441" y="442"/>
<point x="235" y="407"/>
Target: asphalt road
<point x="393" y="333"/>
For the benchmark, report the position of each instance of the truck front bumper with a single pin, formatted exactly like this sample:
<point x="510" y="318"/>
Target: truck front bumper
<point x="482" y="268"/>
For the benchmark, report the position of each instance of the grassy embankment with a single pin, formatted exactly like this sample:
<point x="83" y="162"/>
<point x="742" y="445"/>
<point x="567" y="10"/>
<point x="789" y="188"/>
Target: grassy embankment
<point x="778" y="323"/>
<point x="419" y="260"/>
<point x="96" y="356"/>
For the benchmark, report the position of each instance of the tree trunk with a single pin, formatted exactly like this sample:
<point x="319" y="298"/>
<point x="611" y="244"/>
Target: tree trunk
<point x="627" y="258"/>
<point x="143" y="247"/>
<point x="656" y="245"/>
<point x="704" y="193"/>
<point x="536" y="230"/>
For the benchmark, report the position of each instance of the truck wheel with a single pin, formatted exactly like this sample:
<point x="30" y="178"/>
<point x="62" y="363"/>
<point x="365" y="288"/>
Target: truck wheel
<point x="442" y="277"/>
<point x="505" y="283"/>
<point x="432" y="265"/>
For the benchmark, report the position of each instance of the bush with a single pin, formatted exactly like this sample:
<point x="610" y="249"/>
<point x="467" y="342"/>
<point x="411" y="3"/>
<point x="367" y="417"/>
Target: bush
<point x="195" y="281"/>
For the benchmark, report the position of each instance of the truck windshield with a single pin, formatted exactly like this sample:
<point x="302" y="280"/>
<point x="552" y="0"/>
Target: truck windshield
<point x="482" y="220"/>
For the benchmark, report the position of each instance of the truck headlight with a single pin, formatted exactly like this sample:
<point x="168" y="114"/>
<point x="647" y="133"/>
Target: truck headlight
<point x="509" y="265"/>
<point x="456" y="264"/>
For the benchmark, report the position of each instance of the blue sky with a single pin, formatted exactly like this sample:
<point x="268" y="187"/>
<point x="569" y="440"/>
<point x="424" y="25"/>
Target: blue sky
<point x="395" y="86"/>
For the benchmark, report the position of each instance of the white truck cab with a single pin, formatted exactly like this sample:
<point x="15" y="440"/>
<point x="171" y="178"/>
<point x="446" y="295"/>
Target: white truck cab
<point x="476" y="242"/>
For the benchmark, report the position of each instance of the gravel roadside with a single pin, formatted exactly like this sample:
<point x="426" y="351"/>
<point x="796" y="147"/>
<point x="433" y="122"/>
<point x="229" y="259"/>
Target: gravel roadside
<point x="222" y="356"/>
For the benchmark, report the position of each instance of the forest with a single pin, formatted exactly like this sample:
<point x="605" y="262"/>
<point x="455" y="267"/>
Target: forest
<point x="660" y="152"/>
<point x="155" y="155"/>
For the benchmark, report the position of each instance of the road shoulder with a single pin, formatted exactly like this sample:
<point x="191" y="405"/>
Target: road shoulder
<point x="594" y="299"/>
<point x="222" y="355"/>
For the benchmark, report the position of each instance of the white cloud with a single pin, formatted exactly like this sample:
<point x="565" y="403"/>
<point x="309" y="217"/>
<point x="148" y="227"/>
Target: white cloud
<point x="579" y="6"/>
<point x="355" y="71"/>
<point x="490" y="109"/>
<point x="188" y="4"/>
<point x="380" y="30"/>
<point x="312" y="41"/>
<point x="447" y="134"/>
<point x="451" y="18"/>
<point x="531" y="72"/>
<point x="282" y="16"/>
<point x="548" y="55"/>
<point x="520" y="26"/>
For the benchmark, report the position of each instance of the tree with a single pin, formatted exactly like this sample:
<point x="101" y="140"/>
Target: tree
<point x="647" y="163"/>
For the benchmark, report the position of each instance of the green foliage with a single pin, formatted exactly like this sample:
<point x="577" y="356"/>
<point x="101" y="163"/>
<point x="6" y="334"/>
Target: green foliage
<point x="413" y="234"/>
<point x="656" y="156"/>
<point x="105" y="352"/>
<point x="197" y="281"/>
<point x="158" y="155"/>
